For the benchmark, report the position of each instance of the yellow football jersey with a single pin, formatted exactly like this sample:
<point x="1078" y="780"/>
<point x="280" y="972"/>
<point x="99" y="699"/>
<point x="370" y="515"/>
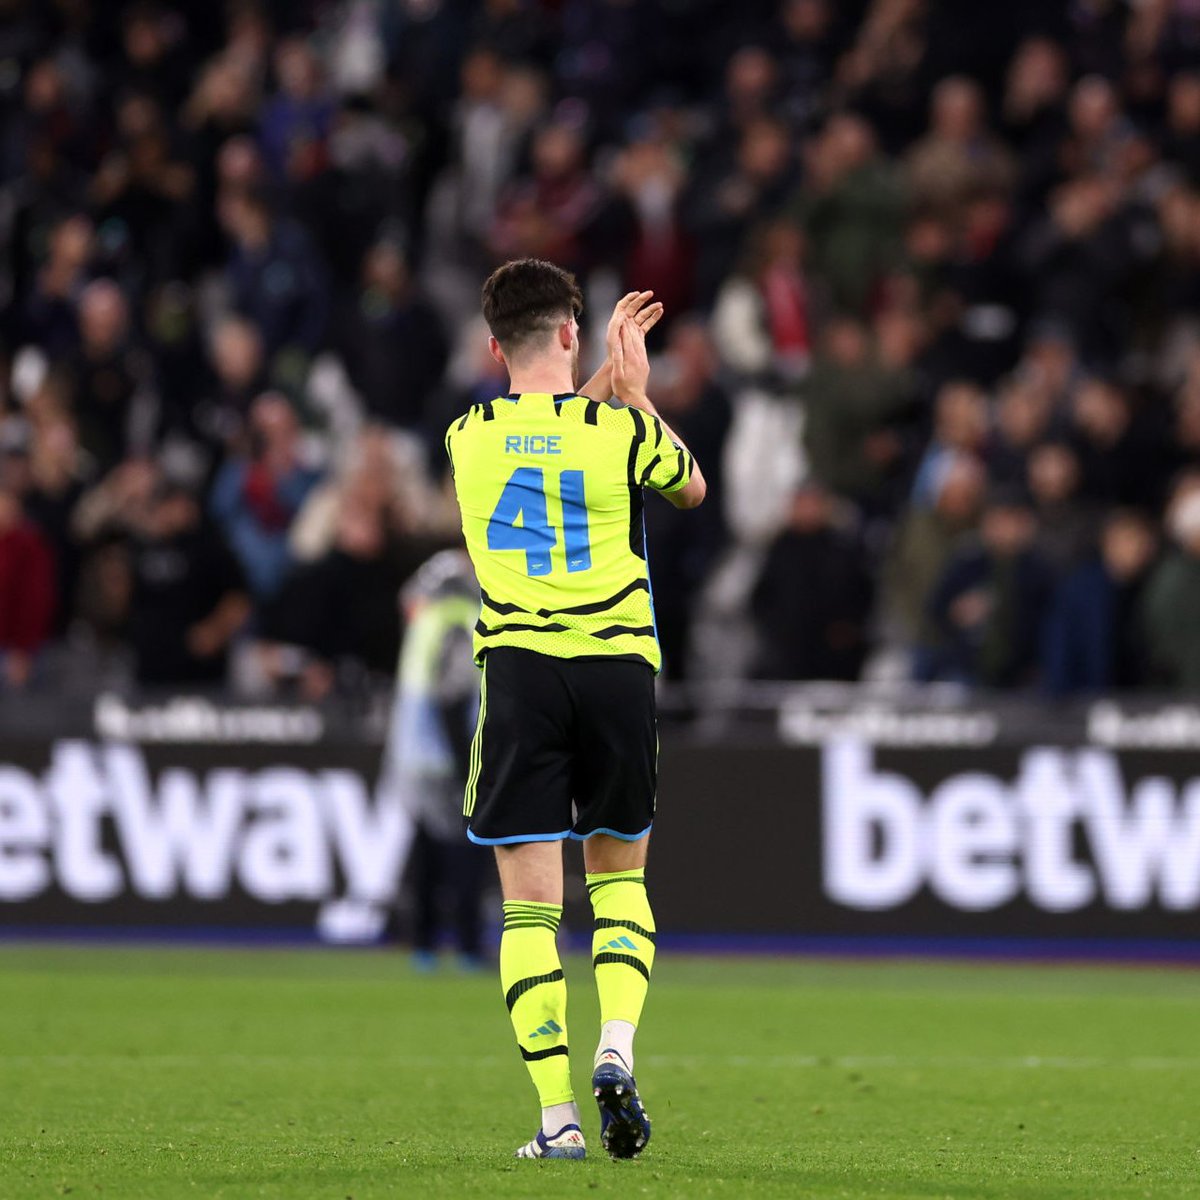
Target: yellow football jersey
<point x="550" y="491"/>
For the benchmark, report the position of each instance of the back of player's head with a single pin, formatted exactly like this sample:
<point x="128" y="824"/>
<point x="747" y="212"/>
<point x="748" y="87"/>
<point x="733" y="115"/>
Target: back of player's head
<point x="525" y="300"/>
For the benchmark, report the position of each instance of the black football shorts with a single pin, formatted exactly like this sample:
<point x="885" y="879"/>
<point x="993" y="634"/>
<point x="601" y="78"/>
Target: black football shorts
<point x="565" y="748"/>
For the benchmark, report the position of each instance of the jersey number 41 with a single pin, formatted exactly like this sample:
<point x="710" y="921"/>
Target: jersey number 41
<point x="524" y="500"/>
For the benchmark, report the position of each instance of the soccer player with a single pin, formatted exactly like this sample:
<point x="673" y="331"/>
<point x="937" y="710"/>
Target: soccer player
<point x="549" y="481"/>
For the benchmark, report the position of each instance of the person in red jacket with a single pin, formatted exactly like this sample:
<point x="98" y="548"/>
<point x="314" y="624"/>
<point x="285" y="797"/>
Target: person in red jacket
<point x="27" y="592"/>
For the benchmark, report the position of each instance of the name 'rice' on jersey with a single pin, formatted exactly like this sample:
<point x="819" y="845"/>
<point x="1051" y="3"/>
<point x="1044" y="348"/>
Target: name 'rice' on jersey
<point x="550" y="491"/>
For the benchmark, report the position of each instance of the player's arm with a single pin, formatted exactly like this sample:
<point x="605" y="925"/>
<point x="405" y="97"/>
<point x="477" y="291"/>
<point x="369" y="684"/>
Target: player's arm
<point x="631" y="374"/>
<point x="637" y="307"/>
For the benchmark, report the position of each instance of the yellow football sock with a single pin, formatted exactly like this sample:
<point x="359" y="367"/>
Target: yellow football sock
<point x="623" y="944"/>
<point x="536" y="994"/>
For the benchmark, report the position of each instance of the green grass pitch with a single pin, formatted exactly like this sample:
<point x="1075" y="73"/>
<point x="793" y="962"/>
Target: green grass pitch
<point x="131" y="1073"/>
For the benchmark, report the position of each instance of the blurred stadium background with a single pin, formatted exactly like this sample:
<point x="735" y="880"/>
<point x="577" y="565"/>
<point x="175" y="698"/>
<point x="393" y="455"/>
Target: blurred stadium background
<point x="933" y="326"/>
<point x="932" y="277"/>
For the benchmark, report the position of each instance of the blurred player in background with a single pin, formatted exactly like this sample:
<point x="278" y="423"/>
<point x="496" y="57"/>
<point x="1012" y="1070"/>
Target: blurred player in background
<point x="437" y="700"/>
<point x="549" y="480"/>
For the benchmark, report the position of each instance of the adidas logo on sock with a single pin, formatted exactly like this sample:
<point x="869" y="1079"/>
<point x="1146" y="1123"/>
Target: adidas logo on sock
<point x="547" y="1029"/>
<point x="621" y="943"/>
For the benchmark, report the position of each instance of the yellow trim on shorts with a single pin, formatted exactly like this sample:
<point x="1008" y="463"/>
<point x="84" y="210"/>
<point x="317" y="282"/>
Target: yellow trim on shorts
<point x="476" y="748"/>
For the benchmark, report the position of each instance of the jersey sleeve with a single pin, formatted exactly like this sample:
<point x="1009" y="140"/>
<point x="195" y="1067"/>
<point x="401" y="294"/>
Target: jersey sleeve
<point x="660" y="463"/>
<point x="455" y="426"/>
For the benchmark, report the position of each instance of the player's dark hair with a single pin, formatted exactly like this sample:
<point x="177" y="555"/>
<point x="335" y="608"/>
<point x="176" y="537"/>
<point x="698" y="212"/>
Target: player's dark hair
<point x="526" y="298"/>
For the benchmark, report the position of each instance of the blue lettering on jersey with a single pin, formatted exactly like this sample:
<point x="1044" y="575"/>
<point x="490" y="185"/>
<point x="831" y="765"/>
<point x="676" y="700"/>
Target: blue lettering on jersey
<point x="532" y="443"/>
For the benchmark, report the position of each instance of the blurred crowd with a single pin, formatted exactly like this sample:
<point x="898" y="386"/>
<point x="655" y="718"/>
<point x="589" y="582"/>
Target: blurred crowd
<point x="932" y="277"/>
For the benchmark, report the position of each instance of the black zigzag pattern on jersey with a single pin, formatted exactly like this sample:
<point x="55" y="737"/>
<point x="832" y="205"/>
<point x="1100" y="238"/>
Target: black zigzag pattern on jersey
<point x="576" y="610"/>
<point x="683" y="462"/>
<point x="637" y="530"/>
<point x="517" y="627"/>
<point x="612" y="631"/>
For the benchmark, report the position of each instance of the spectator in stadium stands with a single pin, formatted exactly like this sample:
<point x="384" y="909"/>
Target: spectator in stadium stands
<point x="749" y="92"/>
<point x="552" y="213"/>
<point x="604" y="53"/>
<point x="762" y="319"/>
<point x="1121" y="457"/>
<point x="275" y="274"/>
<point x="341" y="609"/>
<point x="852" y="208"/>
<point x="382" y="469"/>
<point x="239" y="165"/>
<point x="924" y="541"/>
<point x="650" y="175"/>
<point x="1173" y="595"/>
<point x="173" y="343"/>
<point x="237" y="363"/>
<point x="812" y="45"/>
<point x="256" y="495"/>
<point x="960" y="426"/>
<point x="1024" y="417"/>
<point x="27" y="597"/>
<point x="107" y="374"/>
<point x="1182" y="141"/>
<point x="296" y="121"/>
<point x="1093" y="638"/>
<point x="1185" y="381"/>
<point x="1177" y="285"/>
<point x="49" y="190"/>
<point x="220" y="109"/>
<point x="48" y="134"/>
<point x="1087" y="247"/>
<point x="151" y="58"/>
<point x="1050" y="361"/>
<point x="51" y="318"/>
<point x="1033" y="114"/>
<point x="851" y="398"/>
<point x="189" y="596"/>
<point x="489" y="127"/>
<point x="958" y="157"/>
<point x="722" y="208"/>
<point x="990" y="602"/>
<point x="812" y="632"/>
<point x="366" y="194"/>
<point x="392" y="342"/>
<point x="688" y="395"/>
<point x="1067" y="523"/>
<point x="1098" y="132"/>
<point x="141" y="190"/>
<point x="58" y="474"/>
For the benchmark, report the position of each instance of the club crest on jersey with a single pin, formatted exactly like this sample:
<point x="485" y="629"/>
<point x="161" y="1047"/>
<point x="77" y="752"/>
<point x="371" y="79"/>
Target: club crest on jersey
<point x="532" y="443"/>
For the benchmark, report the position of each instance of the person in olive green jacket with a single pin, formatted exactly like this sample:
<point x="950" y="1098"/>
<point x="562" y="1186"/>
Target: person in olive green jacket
<point x="925" y="541"/>
<point x="1171" y="612"/>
